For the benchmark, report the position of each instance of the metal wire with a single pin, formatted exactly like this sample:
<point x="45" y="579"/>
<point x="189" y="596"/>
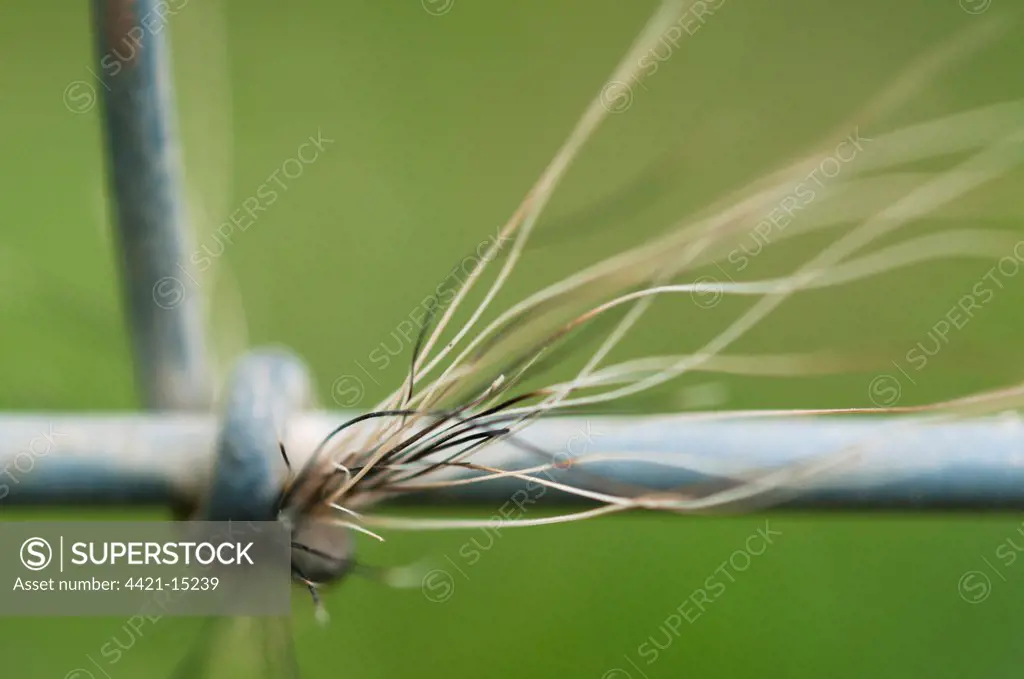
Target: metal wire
<point x="163" y="302"/>
<point x="133" y="459"/>
<point x="268" y="387"/>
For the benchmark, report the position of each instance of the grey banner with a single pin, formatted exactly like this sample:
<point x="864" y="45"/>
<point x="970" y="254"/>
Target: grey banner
<point x="152" y="568"/>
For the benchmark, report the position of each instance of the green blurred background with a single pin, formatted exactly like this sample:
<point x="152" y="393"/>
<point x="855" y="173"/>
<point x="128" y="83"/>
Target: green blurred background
<point x="441" y="124"/>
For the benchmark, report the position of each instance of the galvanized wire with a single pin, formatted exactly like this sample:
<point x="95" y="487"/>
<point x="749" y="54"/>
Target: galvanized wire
<point x="142" y="459"/>
<point x="267" y="388"/>
<point x="165" y="309"/>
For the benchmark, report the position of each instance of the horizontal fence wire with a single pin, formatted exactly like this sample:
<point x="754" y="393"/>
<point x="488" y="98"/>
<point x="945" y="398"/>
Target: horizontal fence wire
<point x="153" y="459"/>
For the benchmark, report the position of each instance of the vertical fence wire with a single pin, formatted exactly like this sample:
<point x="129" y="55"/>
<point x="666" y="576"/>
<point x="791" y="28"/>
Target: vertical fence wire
<point x="161" y="298"/>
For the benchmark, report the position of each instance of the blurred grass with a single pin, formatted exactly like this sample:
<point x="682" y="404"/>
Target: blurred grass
<point x="441" y="124"/>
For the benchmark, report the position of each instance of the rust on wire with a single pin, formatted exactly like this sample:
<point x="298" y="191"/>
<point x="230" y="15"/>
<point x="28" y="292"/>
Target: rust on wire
<point x="122" y="27"/>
